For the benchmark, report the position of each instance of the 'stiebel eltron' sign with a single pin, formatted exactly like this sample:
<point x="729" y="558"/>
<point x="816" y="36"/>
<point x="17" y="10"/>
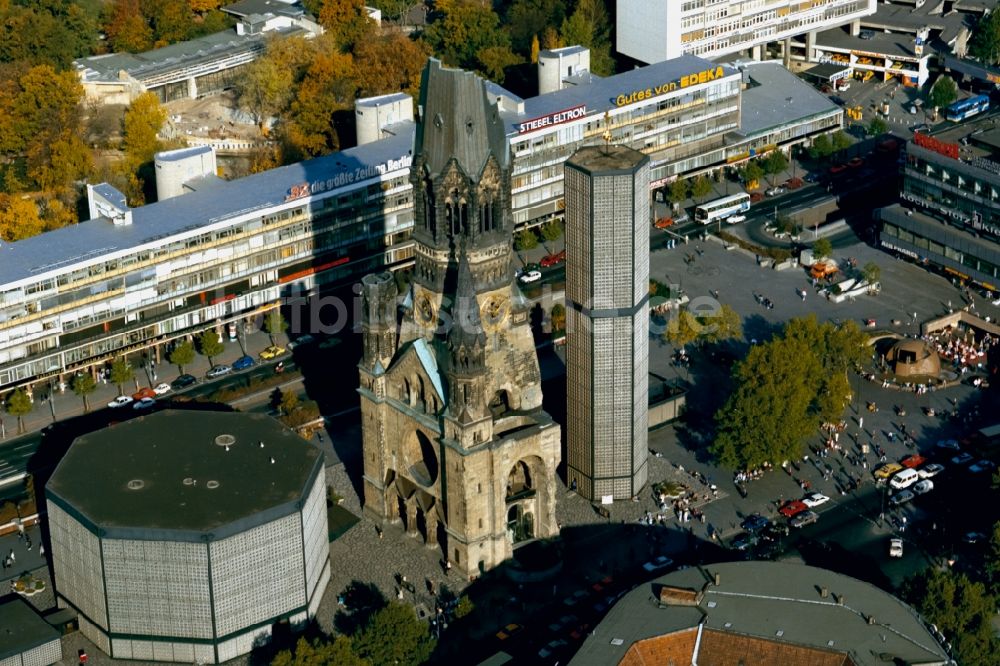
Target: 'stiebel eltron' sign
<point x="557" y="118"/>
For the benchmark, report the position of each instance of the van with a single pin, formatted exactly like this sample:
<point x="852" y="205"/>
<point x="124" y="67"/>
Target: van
<point x="904" y="479"/>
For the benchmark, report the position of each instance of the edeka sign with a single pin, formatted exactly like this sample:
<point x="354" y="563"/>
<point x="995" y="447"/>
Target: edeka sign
<point x="552" y="119"/>
<point x="347" y="177"/>
<point x="683" y="82"/>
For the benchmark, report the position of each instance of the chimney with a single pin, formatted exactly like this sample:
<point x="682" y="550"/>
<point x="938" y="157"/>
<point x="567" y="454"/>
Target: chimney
<point x="824" y="592"/>
<point x="718" y="579"/>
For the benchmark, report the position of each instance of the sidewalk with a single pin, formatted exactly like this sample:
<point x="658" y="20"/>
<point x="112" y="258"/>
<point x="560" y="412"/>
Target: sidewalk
<point x="66" y="404"/>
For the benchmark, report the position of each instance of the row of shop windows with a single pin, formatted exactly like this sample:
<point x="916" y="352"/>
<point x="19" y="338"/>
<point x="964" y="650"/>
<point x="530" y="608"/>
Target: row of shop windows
<point x="933" y="247"/>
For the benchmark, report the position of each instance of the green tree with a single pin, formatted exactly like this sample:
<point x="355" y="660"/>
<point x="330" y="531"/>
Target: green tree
<point x="83" y="384"/>
<point x="877" y="127"/>
<point x="701" y="187"/>
<point x="962" y="610"/>
<point x="774" y="163"/>
<point x="182" y="354"/>
<point x="943" y="92"/>
<point x="678" y="191"/>
<point x="274" y="324"/>
<point x="339" y="651"/>
<point x="394" y="635"/>
<point x="590" y="26"/>
<point x="18" y="404"/>
<point x="552" y="231"/>
<point x="840" y="141"/>
<point x="495" y="60"/>
<point x="752" y="172"/>
<point x="393" y="11"/>
<point x="526" y="19"/>
<point x="871" y="273"/>
<point x="985" y="42"/>
<point x="993" y="556"/>
<point x="142" y="123"/>
<point x="121" y="372"/>
<point x="209" y="345"/>
<point x="558" y="317"/>
<point x="821" y="147"/>
<point x="463" y="607"/>
<point x="768" y="418"/>
<point x="525" y="240"/>
<point x="289" y="401"/>
<point x="703" y="326"/>
<point x="682" y="330"/>
<point x="462" y="29"/>
<point x="822" y="248"/>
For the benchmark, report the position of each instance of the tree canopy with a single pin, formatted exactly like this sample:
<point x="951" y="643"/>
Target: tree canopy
<point x="944" y="91"/>
<point x="985" y="42"/>
<point x="394" y="635"/>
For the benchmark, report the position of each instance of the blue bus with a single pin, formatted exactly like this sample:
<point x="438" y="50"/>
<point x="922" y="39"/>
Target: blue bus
<point x="967" y="108"/>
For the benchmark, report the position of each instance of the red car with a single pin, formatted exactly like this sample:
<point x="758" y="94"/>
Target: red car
<point x="838" y="168"/>
<point x="144" y="393"/>
<point x="913" y="461"/>
<point x="553" y="259"/>
<point x="792" y="508"/>
<point x="856" y="162"/>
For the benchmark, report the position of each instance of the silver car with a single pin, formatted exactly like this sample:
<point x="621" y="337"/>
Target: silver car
<point x="804" y="518"/>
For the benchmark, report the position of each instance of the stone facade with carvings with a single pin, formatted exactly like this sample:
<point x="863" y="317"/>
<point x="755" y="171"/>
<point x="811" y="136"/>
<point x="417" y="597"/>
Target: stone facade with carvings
<point x="456" y="443"/>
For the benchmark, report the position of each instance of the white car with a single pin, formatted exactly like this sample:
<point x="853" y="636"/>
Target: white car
<point x="145" y="403"/>
<point x="529" y="277"/>
<point x="923" y="487"/>
<point x="813" y="500"/>
<point x="895" y="547"/>
<point x="120" y="401"/>
<point x="736" y="219"/>
<point x="927" y="471"/>
<point x="661" y="562"/>
<point x="160" y="389"/>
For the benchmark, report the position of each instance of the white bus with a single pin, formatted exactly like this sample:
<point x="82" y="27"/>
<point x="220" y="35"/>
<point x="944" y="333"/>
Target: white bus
<point x="722" y="208"/>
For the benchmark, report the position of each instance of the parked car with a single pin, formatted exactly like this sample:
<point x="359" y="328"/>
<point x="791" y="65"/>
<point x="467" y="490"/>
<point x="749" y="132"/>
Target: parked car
<point x="813" y="177"/>
<point x="754" y="522"/>
<point x="745" y="541"/>
<point x="661" y="562"/>
<point x="887" y="470"/>
<point x="274" y="351"/>
<point x="948" y="444"/>
<point x="218" y="371"/>
<point x="813" y="500"/>
<point x="528" y="277"/>
<point x="736" y="219"/>
<point x="306" y="339"/>
<point x="923" y="487"/>
<point x="144" y="403"/>
<point x="866" y="34"/>
<point x="902" y="497"/>
<point x="552" y="259"/>
<point x="837" y="168"/>
<point x="928" y="471"/>
<point x="856" y="162"/>
<point x="974" y="537"/>
<point x="904" y="479"/>
<point x="243" y="362"/>
<point x="183" y="382"/>
<point x="962" y="459"/>
<point x="792" y="508"/>
<point x="664" y="223"/>
<point x="144" y="392"/>
<point x="512" y="629"/>
<point x="913" y="461"/>
<point x="160" y="389"/>
<point x="120" y="401"/>
<point x="921" y="127"/>
<point x="776" y="190"/>
<point x="804" y="518"/>
<point x="551" y="648"/>
<point x="983" y="466"/>
<point x="575" y="598"/>
<point x="895" y="547"/>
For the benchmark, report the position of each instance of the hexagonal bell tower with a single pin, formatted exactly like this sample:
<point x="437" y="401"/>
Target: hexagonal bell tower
<point x="456" y="444"/>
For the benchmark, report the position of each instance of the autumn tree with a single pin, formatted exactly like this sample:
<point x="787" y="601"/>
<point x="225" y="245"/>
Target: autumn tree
<point x="526" y="19"/>
<point x="535" y="49"/>
<point x="274" y="324"/>
<point x="462" y="30"/>
<point x="18" y="217"/>
<point x="266" y="87"/>
<point x="203" y="6"/>
<point x="346" y="22"/>
<point x="46" y="33"/>
<point x="327" y="87"/>
<point x="54" y="164"/>
<point x="390" y="62"/>
<point x="143" y="120"/>
<point x="392" y="10"/>
<point x="126" y="27"/>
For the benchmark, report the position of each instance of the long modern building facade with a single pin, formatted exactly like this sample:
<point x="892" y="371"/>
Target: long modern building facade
<point x="138" y="279"/>
<point x="655" y="30"/>
<point x="950" y="219"/>
<point x="607" y="321"/>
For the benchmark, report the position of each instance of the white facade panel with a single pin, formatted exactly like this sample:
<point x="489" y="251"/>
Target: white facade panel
<point x="643" y="28"/>
<point x="76" y="556"/>
<point x="316" y="534"/>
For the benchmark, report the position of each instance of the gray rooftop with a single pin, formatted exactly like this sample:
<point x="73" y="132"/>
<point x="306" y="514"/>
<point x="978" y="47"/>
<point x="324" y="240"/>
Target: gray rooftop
<point x="22" y="629"/>
<point x="760" y="599"/>
<point x="776" y="97"/>
<point x="599" y="96"/>
<point x="50" y="251"/>
<point x="245" y="8"/>
<point x="176" y="455"/>
<point x="162" y="62"/>
<point x="907" y="18"/>
<point x="607" y="160"/>
<point x="883" y="43"/>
